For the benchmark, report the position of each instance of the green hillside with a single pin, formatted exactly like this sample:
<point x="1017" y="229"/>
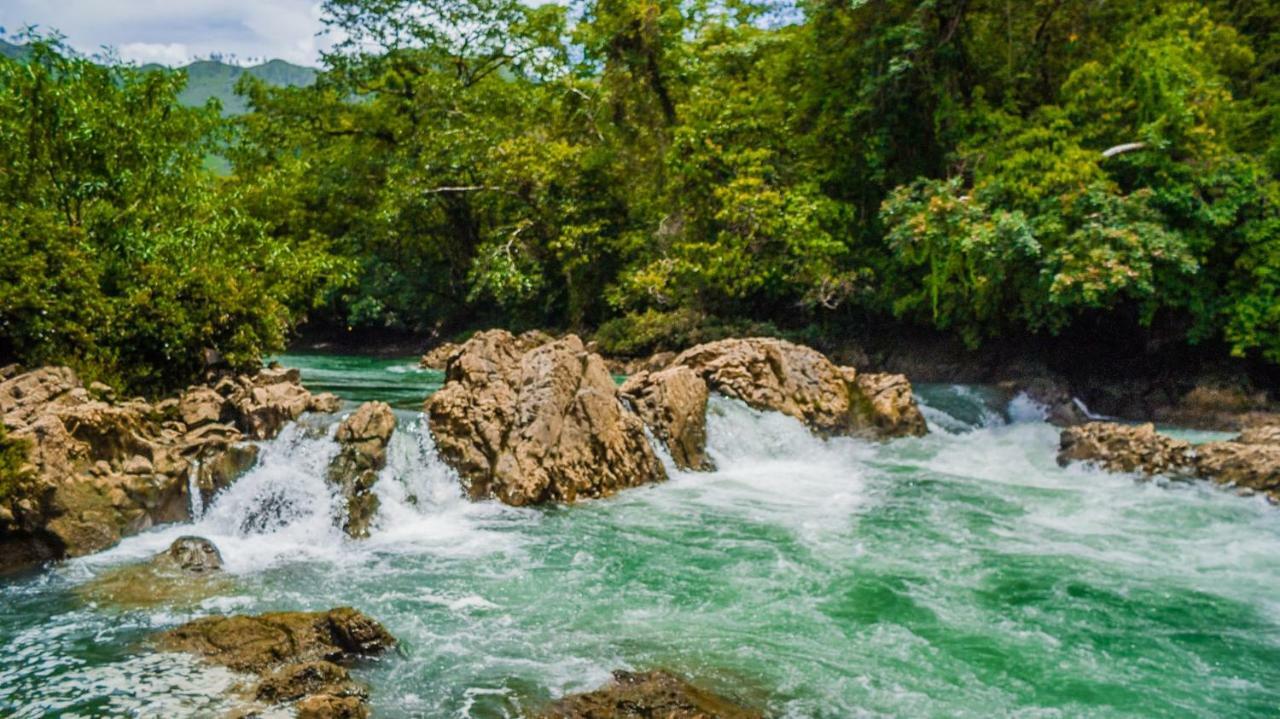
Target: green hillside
<point x="10" y="50"/>
<point x="210" y="78"/>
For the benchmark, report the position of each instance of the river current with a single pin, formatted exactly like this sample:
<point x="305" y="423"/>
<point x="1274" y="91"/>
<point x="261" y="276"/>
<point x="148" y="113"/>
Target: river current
<point x="963" y="574"/>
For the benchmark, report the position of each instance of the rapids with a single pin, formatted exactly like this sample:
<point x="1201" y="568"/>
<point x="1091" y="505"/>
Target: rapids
<point x="963" y="574"/>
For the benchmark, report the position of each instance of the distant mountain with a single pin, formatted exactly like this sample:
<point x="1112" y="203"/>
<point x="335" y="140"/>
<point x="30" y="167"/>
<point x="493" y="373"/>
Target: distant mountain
<point x="11" y="50"/>
<point x="211" y="78"/>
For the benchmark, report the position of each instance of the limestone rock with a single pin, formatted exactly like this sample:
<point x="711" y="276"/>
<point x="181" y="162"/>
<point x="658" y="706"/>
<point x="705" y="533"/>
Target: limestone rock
<point x="363" y="437"/>
<point x="544" y="425"/>
<point x="673" y="403"/>
<point x="296" y="681"/>
<point x="330" y="706"/>
<point x="438" y="357"/>
<point x="258" y="643"/>
<point x="1052" y="393"/>
<point x="1251" y="461"/>
<point x="101" y="469"/>
<point x="24" y="395"/>
<point x="193" y="554"/>
<point x="263" y="404"/>
<point x="1125" y="448"/>
<point x="890" y="406"/>
<point x="653" y="363"/>
<point x="325" y="402"/>
<point x="184" y="574"/>
<point x="773" y="374"/>
<point x="297" y="655"/>
<point x="199" y="406"/>
<point x="532" y="340"/>
<point x="647" y="694"/>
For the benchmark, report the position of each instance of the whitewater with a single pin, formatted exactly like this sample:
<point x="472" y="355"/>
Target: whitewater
<point x="962" y="574"/>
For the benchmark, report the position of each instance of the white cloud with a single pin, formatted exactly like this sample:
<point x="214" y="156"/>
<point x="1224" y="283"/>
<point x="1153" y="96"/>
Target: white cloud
<point x="174" y="53"/>
<point x="177" y="31"/>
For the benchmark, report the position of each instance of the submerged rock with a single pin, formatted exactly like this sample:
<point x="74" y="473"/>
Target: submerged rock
<point x="673" y="403"/>
<point x="1250" y="462"/>
<point x="100" y="469"/>
<point x="537" y="426"/>
<point x="296" y="655"/>
<point x="773" y="374"/>
<point x="182" y="575"/>
<point x="363" y="437"/>
<point x="655" y="694"/>
<point x="193" y="554"/>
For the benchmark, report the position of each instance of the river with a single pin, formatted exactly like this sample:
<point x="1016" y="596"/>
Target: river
<point x="963" y="574"/>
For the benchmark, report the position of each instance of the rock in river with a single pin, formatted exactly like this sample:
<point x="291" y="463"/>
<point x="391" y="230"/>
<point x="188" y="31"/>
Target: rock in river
<point x="100" y="469"/>
<point x="297" y="656"/>
<point x="543" y="425"/>
<point x="1125" y="448"/>
<point x="1250" y="462"/>
<point x="363" y="438"/>
<point x="673" y="403"/>
<point x="655" y="694"/>
<point x="773" y="374"/>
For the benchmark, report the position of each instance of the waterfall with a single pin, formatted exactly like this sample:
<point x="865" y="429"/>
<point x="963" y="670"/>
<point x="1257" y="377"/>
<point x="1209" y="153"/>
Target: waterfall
<point x="195" y="502"/>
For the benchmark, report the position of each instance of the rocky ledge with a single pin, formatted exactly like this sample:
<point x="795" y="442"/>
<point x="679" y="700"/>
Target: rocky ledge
<point x="98" y="468"/>
<point x="549" y="423"/>
<point x="1249" y="463"/>
<point x="648" y="694"/>
<point x="298" y="658"/>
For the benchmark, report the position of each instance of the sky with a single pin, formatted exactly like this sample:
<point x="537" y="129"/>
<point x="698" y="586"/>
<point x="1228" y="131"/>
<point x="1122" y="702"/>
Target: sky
<point x="175" y="32"/>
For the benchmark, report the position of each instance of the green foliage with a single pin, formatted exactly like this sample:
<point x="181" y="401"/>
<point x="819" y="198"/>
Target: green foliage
<point x="664" y="170"/>
<point x="119" y="254"/>
<point x="13" y="463"/>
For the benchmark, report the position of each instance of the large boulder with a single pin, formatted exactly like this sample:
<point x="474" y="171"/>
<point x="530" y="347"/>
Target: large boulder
<point x="100" y="469"/>
<point x="538" y="426"/>
<point x="673" y="403"/>
<point x="773" y="374"/>
<point x="363" y="439"/>
<point x="1125" y="448"/>
<point x="647" y="694"/>
<point x="297" y="656"/>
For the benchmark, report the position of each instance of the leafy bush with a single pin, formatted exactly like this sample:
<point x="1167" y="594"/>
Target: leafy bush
<point x="119" y="253"/>
<point x="13" y="463"/>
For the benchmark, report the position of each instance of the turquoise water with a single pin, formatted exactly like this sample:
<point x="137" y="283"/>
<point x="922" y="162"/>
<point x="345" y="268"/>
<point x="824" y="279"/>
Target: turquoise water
<point x="963" y="574"/>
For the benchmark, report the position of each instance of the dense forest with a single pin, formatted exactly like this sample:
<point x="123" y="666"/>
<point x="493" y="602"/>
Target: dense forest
<point x="655" y="171"/>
